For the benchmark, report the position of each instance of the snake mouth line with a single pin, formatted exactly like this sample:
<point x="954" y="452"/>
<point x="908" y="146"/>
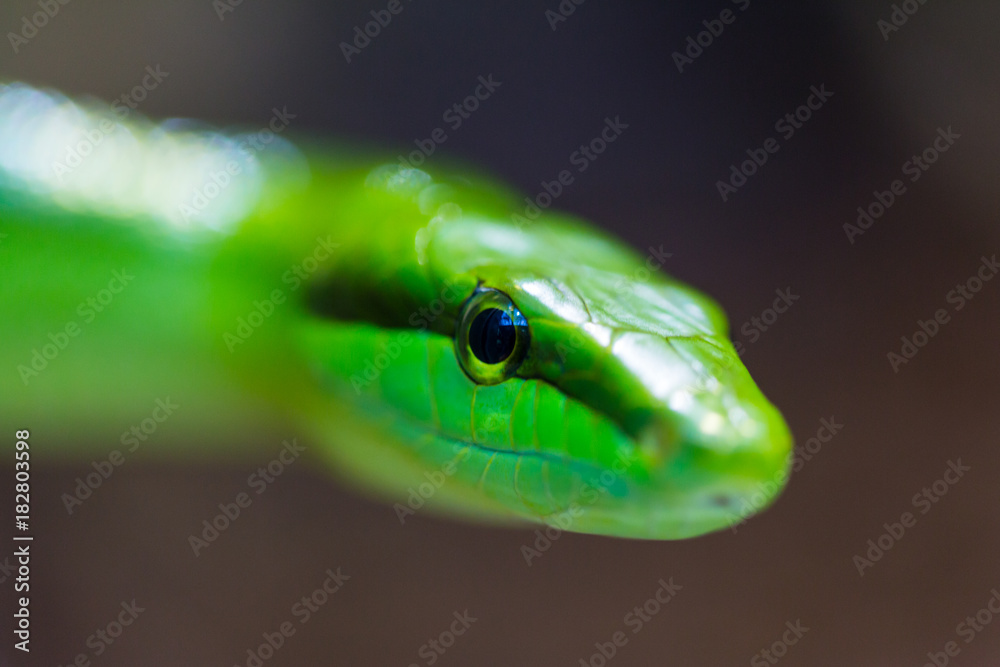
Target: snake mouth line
<point x="541" y="456"/>
<point x="590" y="484"/>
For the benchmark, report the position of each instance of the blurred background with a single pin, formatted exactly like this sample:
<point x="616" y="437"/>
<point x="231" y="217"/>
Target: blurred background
<point x="790" y="582"/>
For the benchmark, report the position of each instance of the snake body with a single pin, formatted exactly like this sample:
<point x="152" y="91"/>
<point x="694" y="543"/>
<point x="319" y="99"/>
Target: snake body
<point x="438" y="350"/>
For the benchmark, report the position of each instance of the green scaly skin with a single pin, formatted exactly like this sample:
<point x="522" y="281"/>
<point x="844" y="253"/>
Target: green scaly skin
<point x="631" y="416"/>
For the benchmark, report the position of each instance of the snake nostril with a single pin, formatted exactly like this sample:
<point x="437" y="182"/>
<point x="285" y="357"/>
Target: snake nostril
<point x="720" y="500"/>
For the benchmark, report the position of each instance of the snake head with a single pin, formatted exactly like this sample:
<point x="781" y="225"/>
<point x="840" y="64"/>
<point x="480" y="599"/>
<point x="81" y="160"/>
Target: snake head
<point x="551" y="373"/>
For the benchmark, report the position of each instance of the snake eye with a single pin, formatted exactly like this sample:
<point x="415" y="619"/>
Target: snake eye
<point x="492" y="337"/>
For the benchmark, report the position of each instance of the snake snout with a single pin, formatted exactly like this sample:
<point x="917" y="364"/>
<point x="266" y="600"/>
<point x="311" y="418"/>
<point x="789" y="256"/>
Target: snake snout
<point x="712" y="437"/>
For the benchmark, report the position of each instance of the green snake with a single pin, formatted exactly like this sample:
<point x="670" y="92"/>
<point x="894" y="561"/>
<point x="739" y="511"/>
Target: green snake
<point x="437" y="344"/>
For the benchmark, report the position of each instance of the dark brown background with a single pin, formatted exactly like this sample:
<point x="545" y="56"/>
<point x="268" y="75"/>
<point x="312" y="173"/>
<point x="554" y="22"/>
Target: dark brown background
<point x="825" y="357"/>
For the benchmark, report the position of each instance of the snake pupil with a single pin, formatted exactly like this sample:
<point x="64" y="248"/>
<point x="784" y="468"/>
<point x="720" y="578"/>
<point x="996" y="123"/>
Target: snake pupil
<point x="492" y="336"/>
